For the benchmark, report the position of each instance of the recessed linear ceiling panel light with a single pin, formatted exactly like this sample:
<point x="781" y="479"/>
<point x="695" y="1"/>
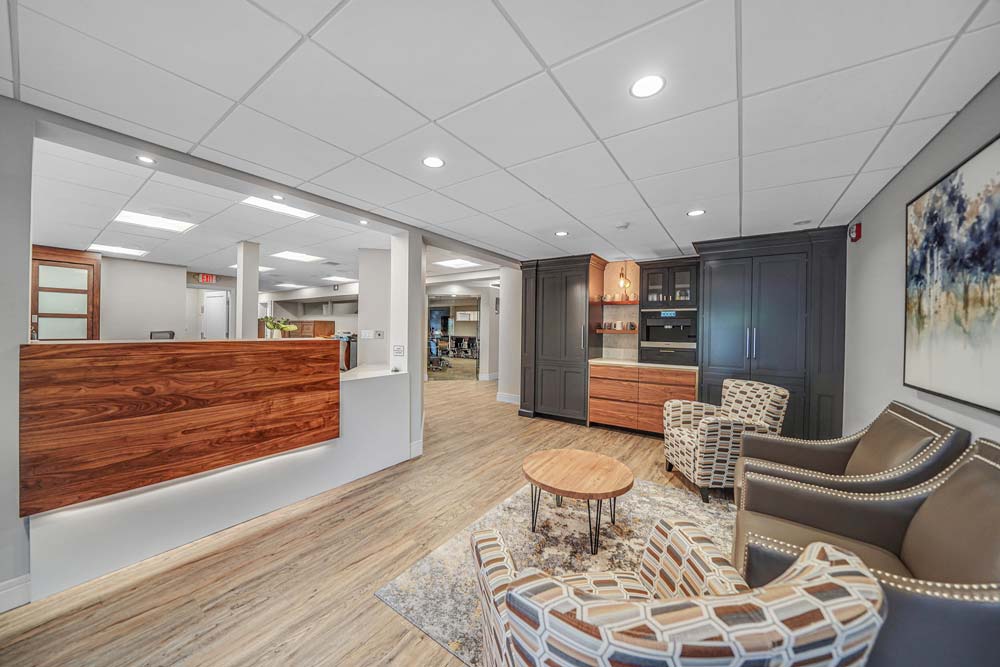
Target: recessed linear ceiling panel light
<point x="340" y="279"/>
<point x="457" y="264"/>
<point x="647" y="86"/>
<point x="696" y="212"/>
<point x="154" y="221"/>
<point x="362" y="222"/>
<point x="277" y="197"/>
<point x="433" y="162"/>
<point x="117" y="250"/>
<point x="297" y="256"/>
<point x="145" y="159"/>
<point x="260" y="269"/>
<point x="289" y="285"/>
<point x="284" y="209"/>
<point x="561" y="234"/>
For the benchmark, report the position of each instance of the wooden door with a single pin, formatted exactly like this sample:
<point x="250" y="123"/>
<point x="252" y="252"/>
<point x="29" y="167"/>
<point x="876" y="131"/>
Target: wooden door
<point x="779" y="327"/>
<point x="65" y="294"/>
<point x="726" y="317"/>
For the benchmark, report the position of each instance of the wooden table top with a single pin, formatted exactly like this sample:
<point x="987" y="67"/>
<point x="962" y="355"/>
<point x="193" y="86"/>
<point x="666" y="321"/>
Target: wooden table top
<point x="574" y="473"/>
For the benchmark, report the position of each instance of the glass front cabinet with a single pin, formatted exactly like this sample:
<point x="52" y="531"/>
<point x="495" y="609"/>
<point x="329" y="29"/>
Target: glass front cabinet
<point x="669" y="284"/>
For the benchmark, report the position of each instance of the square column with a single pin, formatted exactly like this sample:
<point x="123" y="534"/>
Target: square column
<point x="247" y="281"/>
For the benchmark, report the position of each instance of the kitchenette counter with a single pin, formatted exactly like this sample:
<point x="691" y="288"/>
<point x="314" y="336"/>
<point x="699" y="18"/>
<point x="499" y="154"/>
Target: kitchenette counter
<point x="631" y="394"/>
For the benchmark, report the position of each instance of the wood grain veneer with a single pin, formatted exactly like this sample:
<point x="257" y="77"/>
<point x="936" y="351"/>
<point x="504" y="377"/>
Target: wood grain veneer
<point x="614" y="413"/>
<point x="614" y="372"/>
<point x="101" y="418"/>
<point x="616" y="390"/>
<point x="633" y="396"/>
<point x="575" y="473"/>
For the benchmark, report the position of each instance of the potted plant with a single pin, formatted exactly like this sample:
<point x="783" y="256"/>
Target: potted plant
<point x="276" y="326"/>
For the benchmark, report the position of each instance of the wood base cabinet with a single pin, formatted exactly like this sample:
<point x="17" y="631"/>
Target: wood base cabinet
<point x="632" y="396"/>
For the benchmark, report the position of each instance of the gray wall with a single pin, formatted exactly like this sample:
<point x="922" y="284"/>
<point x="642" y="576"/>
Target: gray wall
<point x="373" y="305"/>
<point x="874" y="361"/>
<point x="139" y="297"/>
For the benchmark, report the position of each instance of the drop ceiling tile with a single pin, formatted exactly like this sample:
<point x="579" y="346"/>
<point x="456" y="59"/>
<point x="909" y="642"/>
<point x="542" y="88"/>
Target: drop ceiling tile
<point x="49" y="196"/>
<point x="168" y="201"/>
<point x="248" y="222"/>
<point x="584" y="167"/>
<point x="537" y="217"/>
<point x="402" y="217"/>
<point x="972" y="62"/>
<point x="637" y="233"/>
<point x="90" y="73"/>
<point x="60" y="167"/>
<point x="436" y="56"/>
<point x="338" y="197"/>
<point x="257" y="138"/>
<point x="904" y="141"/>
<point x="690" y="141"/>
<point x="74" y="237"/>
<point x="492" y="192"/>
<point x="52" y="211"/>
<point x="775" y="209"/>
<point x="693" y="50"/>
<point x="6" y="88"/>
<point x="721" y="219"/>
<point x="196" y="186"/>
<point x="989" y="15"/>
<point x="126" y="240"/>
<point x="86" y="159"/>
<point x="825" y="36"/>
<point x="346" y="109"/>
<point x="592" y="202"/>
<point x="433" y="207"/>
<point x="712" y="180"/>
<point x="223" y="45"/>
<point x="561" y="28"/>
<point x="836" y="104"/>
<point x="525" y="121"/>
<point x="858" y="194"/>
<point x="303" y="15"/>
<point x="369" y="182"/>
<point x="6" y="71"/>
<point x="245" y="166"/>
<point x="842" y="156"/>
<point x="139" y="230"/>
<point x="305" y="233"/>
<point x="204" y="239"/>
<point x="405" y="155"/>
<point x="481" y="228"/>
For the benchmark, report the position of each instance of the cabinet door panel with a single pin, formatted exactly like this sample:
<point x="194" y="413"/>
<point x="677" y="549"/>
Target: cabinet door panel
<point x="726" y="300"/>
<point x="658" y="394"/>
<point x="614" y="390"/>
<point x="548" y="389"/>
<point x="627" y="373"/>
<point x="574" y="392"/>
<point x="575" y="316"/>
<point x="616" y="413"/>
<point x="794" y="425"/>
<point x="778" y="335"/>
<point x="551" y="316"/>
<point x="649" y="418"/>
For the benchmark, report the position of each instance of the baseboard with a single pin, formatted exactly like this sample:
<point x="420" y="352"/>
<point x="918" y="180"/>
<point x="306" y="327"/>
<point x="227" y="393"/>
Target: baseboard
<point x="509" y="398"/>
<point x="488" y="377"/>
<point x="15" y="592"/>
<point x="416" y="448"/>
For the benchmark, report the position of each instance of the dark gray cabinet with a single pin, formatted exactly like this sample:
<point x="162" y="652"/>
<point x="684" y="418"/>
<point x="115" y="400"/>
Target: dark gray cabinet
<point x="772" y="310"/>
<point x="669" y="284"/>
<point x="561" y="314"/>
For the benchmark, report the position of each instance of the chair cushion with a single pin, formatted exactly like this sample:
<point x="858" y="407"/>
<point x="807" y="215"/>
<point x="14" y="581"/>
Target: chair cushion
<point x="890" y="441"/>
<point x="955" y="535"/>
<point x="615" y="585"/>
<point x="802" y="535"/>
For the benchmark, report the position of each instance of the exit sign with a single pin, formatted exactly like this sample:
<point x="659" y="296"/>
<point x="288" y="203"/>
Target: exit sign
<point x="206" y="278"/>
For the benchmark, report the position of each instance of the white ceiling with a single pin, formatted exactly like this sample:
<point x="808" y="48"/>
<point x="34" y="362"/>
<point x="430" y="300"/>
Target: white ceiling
<point x="773" y="112"/>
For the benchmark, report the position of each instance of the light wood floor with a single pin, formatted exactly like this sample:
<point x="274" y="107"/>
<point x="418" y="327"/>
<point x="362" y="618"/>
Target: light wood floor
<point x="295" y="587"/>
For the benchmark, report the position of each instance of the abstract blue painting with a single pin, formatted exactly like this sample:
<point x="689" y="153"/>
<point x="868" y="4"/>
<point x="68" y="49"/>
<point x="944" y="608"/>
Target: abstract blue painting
<point x="952" y="326"/>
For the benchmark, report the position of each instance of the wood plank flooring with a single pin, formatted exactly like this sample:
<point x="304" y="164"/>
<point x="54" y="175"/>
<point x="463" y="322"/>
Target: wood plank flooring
<point x="295" y="587"/>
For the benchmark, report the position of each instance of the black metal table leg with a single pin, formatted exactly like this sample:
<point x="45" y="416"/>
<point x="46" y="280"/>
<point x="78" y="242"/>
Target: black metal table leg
<point x="558" y="501"/>
<point x="594" y="529"/>
<point x="614" y="503"/>
<point x="536" y="495"/>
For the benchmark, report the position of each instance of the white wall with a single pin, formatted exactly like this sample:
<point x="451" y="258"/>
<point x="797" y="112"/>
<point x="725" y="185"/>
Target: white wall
<point x="373" y="305"/>
<point x="139" y="297"/>
<point x="874" y="360"/>
<point x="509" y="339"/>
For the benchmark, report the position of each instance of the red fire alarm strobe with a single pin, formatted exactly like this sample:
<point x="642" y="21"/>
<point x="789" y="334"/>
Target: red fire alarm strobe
<point x="854" y="232"/>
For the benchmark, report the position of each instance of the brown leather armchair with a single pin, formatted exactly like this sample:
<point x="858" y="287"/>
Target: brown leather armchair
<point x="901" y="448"/>
<point x="935" y="548"/>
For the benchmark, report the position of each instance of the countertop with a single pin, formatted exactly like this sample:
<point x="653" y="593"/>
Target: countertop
<point x="628" y="362"/>
<point x="365" y="371"/>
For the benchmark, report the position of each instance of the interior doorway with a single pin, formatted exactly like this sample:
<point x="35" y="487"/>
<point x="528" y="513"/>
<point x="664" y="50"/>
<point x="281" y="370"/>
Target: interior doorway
<point x="208" y="314"/>
<point x="453" y="342"/>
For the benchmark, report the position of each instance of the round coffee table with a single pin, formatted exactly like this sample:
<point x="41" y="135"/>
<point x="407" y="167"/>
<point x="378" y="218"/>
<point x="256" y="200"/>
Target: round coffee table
<point x="573" y="473"/>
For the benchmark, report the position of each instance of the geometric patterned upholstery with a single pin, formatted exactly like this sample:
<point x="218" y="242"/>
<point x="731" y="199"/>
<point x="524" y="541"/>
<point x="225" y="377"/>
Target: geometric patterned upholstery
<point x="702" y="441"/>
<point x="826" y="609"/>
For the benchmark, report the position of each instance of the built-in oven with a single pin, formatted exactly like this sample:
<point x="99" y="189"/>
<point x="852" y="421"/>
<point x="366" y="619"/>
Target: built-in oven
<point x="669" y="336"/>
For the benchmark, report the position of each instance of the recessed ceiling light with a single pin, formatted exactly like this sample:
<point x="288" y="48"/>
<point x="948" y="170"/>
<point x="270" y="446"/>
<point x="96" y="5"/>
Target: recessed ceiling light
<point x="362" y="222"/>
<point x="260" y="269"/>
<point x="457" y="264"/>
<point x="433" y="162"/>
<point x="154" y="221"/>
<point x="696" y="212"/>
<point x="117" y="250"/>
<point x="647" y="86"/>
<point x="145" y="159"/>
<point x="296" y="256"/>
<point x="284" y="209"/>
<point x="289" y="285"/>
<point x="340" y="279"/>
<point x="560" y="234"/>
<point x="277" y="197"/>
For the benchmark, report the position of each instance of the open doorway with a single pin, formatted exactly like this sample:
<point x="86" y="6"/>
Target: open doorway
<point x="453" y="342"/>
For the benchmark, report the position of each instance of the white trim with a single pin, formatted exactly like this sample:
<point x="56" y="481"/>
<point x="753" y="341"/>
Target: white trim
<point x="488" y="377"/>
<point x="509" y="398"/>
<point x="416" y="448"/>
<point x="15" y="592"/>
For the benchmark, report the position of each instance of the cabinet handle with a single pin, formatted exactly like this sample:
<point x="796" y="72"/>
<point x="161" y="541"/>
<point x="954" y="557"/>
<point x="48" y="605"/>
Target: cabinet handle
<point x="755" y="342"/>
<point x="748" y="343"/>
<point x="583" y="335"/>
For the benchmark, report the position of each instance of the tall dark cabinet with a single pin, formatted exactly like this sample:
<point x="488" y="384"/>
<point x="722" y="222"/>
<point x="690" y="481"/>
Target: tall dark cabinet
<point x="561" y="315"/>
<point x="772" y="310"/>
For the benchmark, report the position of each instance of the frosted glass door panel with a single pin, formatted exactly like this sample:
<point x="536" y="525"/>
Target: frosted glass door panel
<point x="62" y="328"/>
<point x="62" y="277"/>
<point x="62" y="302"/>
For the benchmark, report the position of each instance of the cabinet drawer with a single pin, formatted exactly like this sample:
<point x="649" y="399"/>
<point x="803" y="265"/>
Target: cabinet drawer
<point x="614" y="413"/>
<point x="650" y="418"/>
<point x="615" y="390"/>
<point x="667" y="376"/>
<point x="630" y="373"/>
<point x="658" y="394"/>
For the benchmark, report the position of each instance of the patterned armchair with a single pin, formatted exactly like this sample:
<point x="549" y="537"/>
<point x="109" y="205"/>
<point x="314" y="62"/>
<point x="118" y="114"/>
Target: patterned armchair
<point x="703" y="441"/>
<point x="686" y="606"/>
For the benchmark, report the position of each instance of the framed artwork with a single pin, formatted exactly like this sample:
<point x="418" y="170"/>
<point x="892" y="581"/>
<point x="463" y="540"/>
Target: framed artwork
<point x="952" y="329"/>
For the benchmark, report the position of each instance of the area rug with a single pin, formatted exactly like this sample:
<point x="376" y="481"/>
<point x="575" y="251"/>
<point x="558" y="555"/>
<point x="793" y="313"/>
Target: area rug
<point x="438" y="592"/>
